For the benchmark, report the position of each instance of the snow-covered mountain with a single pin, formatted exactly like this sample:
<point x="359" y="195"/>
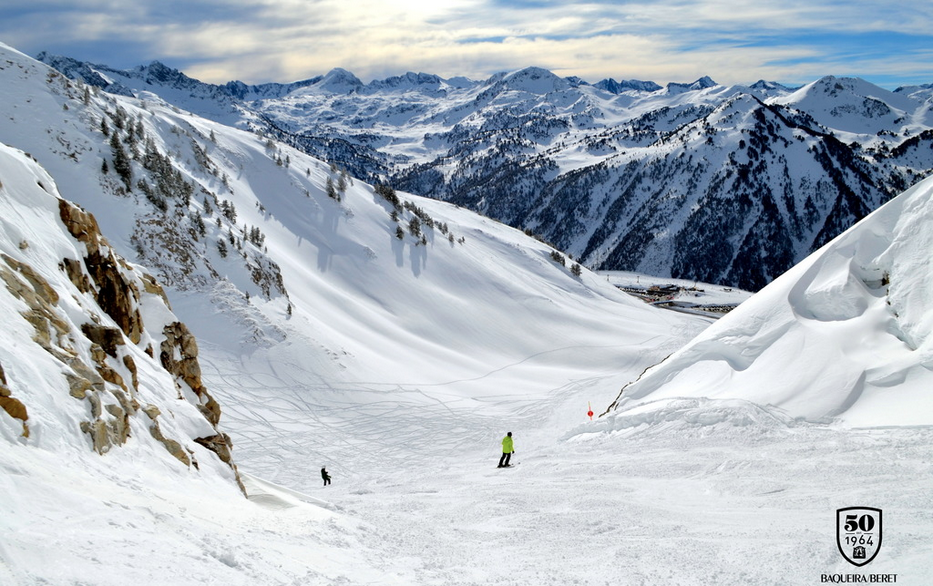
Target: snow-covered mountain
<point x="364" y="308"/>
<point x="392" y="339"/>
<point x="266" y="230"/>
<point x="580" y="165"/>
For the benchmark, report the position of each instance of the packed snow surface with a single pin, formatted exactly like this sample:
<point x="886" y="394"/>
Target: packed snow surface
<point x="400" y="364"/>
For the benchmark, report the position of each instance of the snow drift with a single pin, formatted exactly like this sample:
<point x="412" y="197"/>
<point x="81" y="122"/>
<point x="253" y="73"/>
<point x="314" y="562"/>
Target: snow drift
<point x="844" y="336"/>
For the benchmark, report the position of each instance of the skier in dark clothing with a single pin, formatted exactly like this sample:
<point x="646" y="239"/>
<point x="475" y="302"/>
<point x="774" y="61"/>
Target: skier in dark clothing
<point x="325" y="476"/>
<point x="507" y="451"/>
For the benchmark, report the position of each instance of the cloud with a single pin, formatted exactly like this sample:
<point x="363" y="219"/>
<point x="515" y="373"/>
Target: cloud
<point x="662" y="40"/>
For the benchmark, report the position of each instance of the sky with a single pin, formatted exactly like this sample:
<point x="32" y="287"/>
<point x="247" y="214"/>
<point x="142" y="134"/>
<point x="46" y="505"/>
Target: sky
<point x="257" y="41"/>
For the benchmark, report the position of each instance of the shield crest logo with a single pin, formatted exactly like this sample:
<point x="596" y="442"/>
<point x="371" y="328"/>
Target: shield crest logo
<point x="858" y="534"/>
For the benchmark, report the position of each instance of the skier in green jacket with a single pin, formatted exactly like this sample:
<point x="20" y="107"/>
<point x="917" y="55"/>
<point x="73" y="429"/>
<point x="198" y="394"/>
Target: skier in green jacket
<point x="507" y="451"/>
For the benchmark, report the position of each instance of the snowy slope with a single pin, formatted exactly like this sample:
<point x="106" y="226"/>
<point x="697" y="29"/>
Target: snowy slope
<point x="852" y="105"/>
<point x="364" y="300"/>
<point x="845" y="335"/>
<point x="399" y="363"/>
<point x="103" y="445"/>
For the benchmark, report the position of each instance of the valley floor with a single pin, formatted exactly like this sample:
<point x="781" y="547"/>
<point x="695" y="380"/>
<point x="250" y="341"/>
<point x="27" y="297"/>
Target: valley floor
<point x="655" y="510"/>
<point x="707" y="502"/>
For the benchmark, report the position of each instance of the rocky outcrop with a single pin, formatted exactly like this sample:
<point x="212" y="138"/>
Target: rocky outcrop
<point x="173" y="447"/>
<point x="110" y="402"/>
<point x="24" y="283"/>
<point x="219" y="444"/>
<point x="14" y="407"/>
<point x="115" y="294"/>
<point x="179" y="356"/>
<point x="99" y="358"/>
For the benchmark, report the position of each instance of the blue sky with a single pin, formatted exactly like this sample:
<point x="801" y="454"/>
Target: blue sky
<point x="733" y="41"/>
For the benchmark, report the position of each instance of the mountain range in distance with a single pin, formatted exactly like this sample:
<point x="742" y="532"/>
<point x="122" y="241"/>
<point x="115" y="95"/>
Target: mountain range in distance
<point x="720" y="184"/>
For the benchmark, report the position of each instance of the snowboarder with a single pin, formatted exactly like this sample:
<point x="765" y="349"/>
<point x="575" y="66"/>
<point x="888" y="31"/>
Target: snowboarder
<point x="325" y="476"/>
<point x="507" y="451"/>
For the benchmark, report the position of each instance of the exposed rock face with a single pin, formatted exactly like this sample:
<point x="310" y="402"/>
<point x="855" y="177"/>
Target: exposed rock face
<point x="115" y="294"/>
<point x="97" y="360"/>
<point x="107" y="338"/>
<point x="179" y="356"/>
<point x="220" y="444"/>
<point x="39" y="296"/>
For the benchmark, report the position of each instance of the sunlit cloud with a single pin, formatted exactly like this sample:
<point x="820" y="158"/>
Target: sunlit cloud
<point x="732" y="41"/>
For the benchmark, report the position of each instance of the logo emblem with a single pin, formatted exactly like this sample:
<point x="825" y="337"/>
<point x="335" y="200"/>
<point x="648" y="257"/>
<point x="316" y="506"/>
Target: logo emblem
<point x="858" y="534"/>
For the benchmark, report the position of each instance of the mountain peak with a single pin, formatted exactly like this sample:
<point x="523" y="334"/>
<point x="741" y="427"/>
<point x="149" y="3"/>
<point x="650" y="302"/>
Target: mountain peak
<point x="535" y="80"/>
<point x="158" y="71"/>
<point x="617" y="87"/>
<point x="703" y="83"/>
<point x="340" y="81"/>
<point x="851" y="104"/>
<point x="408" y="81"/>
<point x="769" y="86"/>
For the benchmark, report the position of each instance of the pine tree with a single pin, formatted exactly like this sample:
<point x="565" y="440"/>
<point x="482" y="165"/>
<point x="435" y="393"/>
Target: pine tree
<point x="198" y="222"/>
<point x="121" y="163"/>
<point x="228" y="210"/>
<point x="388" y="194"/>
<point x="414" y="227"/>
<point x="330" y="190"/>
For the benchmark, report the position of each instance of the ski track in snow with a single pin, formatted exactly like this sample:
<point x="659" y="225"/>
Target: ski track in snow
<point x="667" y="503"/>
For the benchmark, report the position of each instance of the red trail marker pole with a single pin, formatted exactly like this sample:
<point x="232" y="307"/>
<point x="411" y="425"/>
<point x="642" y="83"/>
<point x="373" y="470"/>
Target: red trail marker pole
<point x="590" y="411"/>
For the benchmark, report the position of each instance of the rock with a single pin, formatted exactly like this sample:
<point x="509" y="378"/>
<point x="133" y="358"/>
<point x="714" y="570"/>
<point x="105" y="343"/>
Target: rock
<point x="116" y="295"/>
<point x="106" y="338"/>
<point x="179" y="356"/>
<point x="75" y="271"/>
<point x="78" y="386"/>
<point x="40" y="297"/>
<point x="173" y="447"/>
<point x="130" y="365"/>
<point x="14" y="407"/>
<point x="97" y="429"/>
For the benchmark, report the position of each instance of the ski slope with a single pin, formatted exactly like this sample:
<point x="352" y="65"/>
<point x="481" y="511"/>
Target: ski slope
<point x="400" y="366"/>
